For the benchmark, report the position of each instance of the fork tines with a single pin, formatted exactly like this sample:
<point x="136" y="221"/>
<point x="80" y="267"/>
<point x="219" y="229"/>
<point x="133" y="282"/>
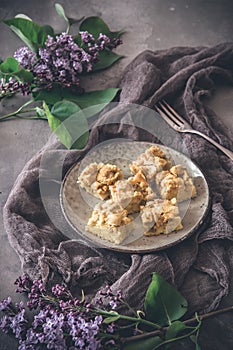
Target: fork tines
<point x="181" y="125"/>
<point x="168" y="114"/>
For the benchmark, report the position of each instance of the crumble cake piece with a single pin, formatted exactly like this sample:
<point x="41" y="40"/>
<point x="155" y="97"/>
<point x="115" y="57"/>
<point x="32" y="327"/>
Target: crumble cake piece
<point x="152" y="161"/>
<point x="108" y="221"/>
<point x="97" y="177"/>
<point x="132" y="193"/>
<point x="160" y="217"/>
<point x="175" y="183"/>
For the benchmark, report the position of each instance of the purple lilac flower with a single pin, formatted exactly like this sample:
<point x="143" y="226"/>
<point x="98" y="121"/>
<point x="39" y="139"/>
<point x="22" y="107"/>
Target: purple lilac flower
<point x="103" y="41"/>
<point x="18" y="323"/>
<point x="49" y="327"/>
<point x="14" y="322"/>
<point x="40" y="318"/>
<point x="111" y="328"/>
<point x="23" y="284"/>
<point x="61" y="61"/>
<point x="5" y="323"/>
<point x="35" y="292"/>
<point x="108" y="298"/>
<point x="62" y="322"/>
<point x="53" y="331"/>
<point x="4" y="304"/>
<point x="113" y="304"/>
<point x="86" y="37"/>
<point x="35" y="295"/>
<point x="25" y="57"/>
<point x="59" y="290"/>
<point x="115" y="42"/>
<point x="30" y="341"/>
<point x="84" y="332"/>
<point x="13" y="86"/>
<point x="65" y="305"/>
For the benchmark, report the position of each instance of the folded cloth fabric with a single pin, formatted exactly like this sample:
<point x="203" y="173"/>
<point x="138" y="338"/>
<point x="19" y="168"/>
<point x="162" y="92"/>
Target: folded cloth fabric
<point x="201" y="266"/>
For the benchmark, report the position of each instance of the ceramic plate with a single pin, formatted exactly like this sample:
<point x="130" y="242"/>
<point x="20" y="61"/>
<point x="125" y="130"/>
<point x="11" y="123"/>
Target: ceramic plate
<point x="77" y="204"/>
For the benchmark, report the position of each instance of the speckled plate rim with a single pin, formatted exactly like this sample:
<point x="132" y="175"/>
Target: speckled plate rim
<point x="100" y="243"/>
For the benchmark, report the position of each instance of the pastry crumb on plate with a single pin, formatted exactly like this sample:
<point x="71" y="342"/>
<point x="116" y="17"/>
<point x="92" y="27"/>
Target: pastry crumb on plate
<point x="160" y="217"/>
<point x="97" y="177"/>
<point x="152" y="161"/>
<point x="175" y="183"/>
<point x="131" y="193"/>
<point x="108" y="221"/>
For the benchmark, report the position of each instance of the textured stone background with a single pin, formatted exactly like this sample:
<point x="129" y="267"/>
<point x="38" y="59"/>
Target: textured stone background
<point x="149" y="24"/>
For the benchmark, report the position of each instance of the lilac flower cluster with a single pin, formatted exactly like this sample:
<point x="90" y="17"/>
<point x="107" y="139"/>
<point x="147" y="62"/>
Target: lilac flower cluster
<point x="14" y="320"/>
<point x="61" y="322"/>
<point x="109" y="299"/>
<point x="62" y="60"/>
<point x="84" y="332"/>
<point x="26" y="57"/>
<point x="23" y="284"/>
<point x="12" y="86"/>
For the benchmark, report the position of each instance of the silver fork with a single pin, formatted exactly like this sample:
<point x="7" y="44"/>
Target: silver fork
<point x="179" y="124"/>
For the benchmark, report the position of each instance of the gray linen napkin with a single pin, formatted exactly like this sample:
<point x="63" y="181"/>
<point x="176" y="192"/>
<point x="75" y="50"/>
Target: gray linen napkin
<point x="201" y="266"/>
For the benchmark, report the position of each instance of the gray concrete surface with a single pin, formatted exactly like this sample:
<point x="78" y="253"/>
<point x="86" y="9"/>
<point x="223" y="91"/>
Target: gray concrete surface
<point x="150" y="24"/>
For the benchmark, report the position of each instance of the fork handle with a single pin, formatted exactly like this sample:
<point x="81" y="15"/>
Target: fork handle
<point x="226" y="151"/>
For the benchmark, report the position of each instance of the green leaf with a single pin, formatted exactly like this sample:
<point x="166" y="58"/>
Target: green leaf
<point x="9" y="68"/>
<point x="22" y="15"/>
<point x="92" y="102"/>
<point x="118" y="33"/>
<point x="113" y="313"/>
<point x="163" y="303"/>
<point x="193" y="338"/>
<point x="62" y="109"/>
<point x="61" y="12"/>
<point x="24" y="75"/>
<point x="145" y="344"/>
<point x="48" y="30"/>
<point x="10" y="65"/>
<point x="106" y="59"/>
<point x="33" y="35"/>
<point x="68" y="122"/>
<point x="49" y="96"/>
<point x="54" y="123"/>
<point x="17" y="31"/>
<point x="93" y="98"/>
<point x="111" y="319"/>
<point x="75" y="20"/>
<point x="78" y="39"/>
<point x="175" y="328"/>
<point x="40" y="112"/>
<point x="95" y="26"/>
<point x="82" y="140"/>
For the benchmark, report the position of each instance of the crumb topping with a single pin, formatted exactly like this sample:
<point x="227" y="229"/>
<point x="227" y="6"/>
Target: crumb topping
<point x="175" y="183"/>
<point x="97" y="177"/>
<point x="122" y="197"/>
<point x="132" y="193"/>
<point x="152" y="161"/>
<point x="160" y="216"/>
<point x="109" y="213"/>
